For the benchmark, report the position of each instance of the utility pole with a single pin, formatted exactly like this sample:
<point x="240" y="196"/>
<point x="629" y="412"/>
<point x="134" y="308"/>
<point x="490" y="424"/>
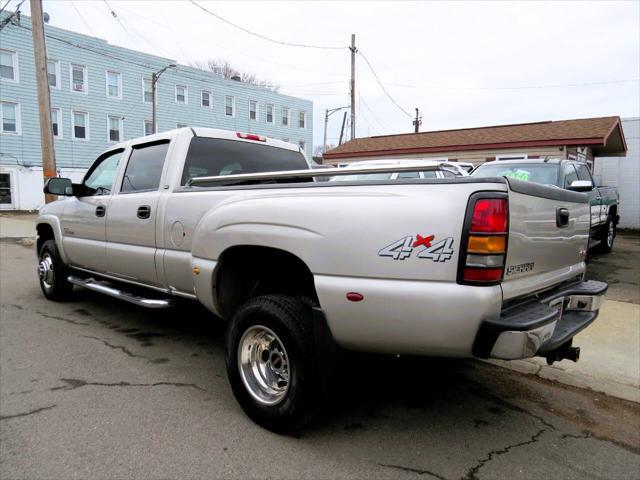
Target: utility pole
<point x="417" y="122"/>
<point x="344" y="119"/>
<point x="155" y="76"/>
<point x="327" y="113"/>
<point x="44" y="99"/>
<point x="353" y="85"/>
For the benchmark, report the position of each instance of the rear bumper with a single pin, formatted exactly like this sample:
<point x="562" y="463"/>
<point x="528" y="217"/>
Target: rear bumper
<point x="541" y="325"/>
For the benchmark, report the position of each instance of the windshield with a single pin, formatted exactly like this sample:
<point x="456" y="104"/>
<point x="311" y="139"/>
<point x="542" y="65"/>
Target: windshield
<point x="545" y="173"/>
<point x="215" y="156"/>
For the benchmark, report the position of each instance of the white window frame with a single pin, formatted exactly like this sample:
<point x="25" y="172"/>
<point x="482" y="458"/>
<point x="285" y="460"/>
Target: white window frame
<point x="85" y="78"/>
<point x="16" y="69"/>
<point x="257" y="119"/>
<point x="512" y="156"/>
<point x="210" y="98"/>
<point x="304" y="119"/>
<point x="58" y="84"/>
<point x="58" y="111"/>
<point x="186" y="94"/>
<point x="18" y="131"/>
<point x="273" y="113"/>
<point x="86" y="126"/>
<point x="120" y="129"/>
<point x="106" y="84"/>
<point x="233" y="106"/>
<point x="288" y="110"/>
<point x="144" y="128"/>
<point x="150" y="88"/>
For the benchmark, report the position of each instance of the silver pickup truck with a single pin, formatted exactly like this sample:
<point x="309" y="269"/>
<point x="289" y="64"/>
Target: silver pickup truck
<point x="300" y="269"/>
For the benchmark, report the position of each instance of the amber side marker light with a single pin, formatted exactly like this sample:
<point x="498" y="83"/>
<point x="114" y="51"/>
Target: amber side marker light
<point x="487" y="244"/>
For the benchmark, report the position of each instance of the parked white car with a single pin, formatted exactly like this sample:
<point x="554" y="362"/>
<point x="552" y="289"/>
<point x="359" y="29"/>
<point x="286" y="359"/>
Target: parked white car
<point x="450" y="266"/>
<point x="423" y="169"/>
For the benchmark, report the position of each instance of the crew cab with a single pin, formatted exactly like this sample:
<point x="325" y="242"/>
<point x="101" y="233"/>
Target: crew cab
<point x="570" y="175"/>
<point x="301" y="270"/>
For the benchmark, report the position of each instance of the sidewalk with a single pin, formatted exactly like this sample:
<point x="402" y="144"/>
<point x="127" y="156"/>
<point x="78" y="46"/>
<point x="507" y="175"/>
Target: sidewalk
<point x="17" y="225"/>
<point x="609" y="355"/>
<point x="610" y="347"/>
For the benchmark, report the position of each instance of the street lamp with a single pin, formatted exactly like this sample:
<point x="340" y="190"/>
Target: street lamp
<point x="326" y="122"/>
<point x="154" y="80"/>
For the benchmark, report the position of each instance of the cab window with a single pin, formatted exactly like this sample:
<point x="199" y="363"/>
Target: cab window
<point x="583" y="173"/>
<point x="569" y="174"/>
<point x="145" y="167"/>
<point x="100" y="178"/>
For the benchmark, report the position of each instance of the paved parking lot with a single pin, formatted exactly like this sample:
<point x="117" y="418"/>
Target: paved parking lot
<point x="96" y="388"/>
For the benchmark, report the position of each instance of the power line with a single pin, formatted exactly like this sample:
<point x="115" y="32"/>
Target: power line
<point x="263" y="37"/>
<point x="382" y="86"/>
<point x="80" y="15"/>
<point x="520" y="87"/>
<point x="5" y="6"/>
<point x="9" y="17"/>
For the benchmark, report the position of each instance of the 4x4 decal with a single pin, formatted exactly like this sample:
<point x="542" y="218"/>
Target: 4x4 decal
<point x="440" y="251"/>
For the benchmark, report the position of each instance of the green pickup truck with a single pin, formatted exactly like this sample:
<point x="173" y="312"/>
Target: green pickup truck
<point x="569" y="175"/>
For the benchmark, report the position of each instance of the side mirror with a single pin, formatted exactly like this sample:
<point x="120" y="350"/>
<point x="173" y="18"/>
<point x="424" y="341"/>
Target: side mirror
<point x="59" y="186"/>
<point x="581" y="186"/>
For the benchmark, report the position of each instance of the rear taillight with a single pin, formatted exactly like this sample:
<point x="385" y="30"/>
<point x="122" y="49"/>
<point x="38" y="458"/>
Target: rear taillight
<point x="484" y="240"/>
<point x="251" y="136"/>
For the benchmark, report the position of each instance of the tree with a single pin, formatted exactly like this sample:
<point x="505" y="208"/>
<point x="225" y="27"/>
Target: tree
<point x="223" y="68"/>
<point x="319" y="150"/>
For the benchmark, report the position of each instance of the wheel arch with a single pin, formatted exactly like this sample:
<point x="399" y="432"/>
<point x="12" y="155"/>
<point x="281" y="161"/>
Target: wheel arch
<point x="246" y="271"/>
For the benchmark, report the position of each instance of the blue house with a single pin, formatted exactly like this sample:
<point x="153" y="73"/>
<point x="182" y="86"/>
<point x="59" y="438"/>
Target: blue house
<point x="101" y="94"/>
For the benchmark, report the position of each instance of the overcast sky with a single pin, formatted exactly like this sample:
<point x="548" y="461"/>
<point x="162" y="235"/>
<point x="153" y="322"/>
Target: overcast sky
<point x="463" y="64"/>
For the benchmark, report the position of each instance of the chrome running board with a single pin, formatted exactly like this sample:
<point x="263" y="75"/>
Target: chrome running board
<point x="107" y="289"/>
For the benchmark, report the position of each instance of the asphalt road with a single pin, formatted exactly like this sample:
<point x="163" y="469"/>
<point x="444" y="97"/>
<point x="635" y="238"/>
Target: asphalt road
<point x="95" y="388"/>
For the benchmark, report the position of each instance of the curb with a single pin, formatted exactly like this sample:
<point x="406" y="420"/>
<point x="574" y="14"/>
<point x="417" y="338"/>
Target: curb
<point x="574" y="379"/>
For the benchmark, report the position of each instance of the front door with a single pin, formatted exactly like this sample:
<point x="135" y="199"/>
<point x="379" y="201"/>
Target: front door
<point x="133" y="214"/>
<point x="84" y="219"/>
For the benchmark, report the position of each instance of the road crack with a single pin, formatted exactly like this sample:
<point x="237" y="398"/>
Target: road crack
<point x="74" y="383"/>
<point x="62" y="319"/>
<point x="471" y="473"/>
<point x="115" y="347"/>
<point x="413" y="470"/>
<point x="24" y="414"/>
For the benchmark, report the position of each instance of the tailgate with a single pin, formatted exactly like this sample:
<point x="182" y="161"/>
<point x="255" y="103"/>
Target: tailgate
<point x="548" y="237"/>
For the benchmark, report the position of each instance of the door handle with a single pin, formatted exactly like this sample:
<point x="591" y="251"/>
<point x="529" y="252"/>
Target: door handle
<point x="144" y="211"/>
<point x="562" y="217"/>
<point x="101" y="210"/>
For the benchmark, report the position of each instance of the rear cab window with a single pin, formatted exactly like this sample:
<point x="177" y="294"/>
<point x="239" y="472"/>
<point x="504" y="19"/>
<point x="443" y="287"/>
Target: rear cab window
<point x="217" y="157"/>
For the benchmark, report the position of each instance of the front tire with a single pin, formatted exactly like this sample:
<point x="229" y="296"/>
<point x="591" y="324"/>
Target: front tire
<point x="272" y="363"/>
<point x="53" y="273"/>
<point x="607" y="236"/>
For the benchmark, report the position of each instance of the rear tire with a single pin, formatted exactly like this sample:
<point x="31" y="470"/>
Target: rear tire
<point x="272" y="362"/>
<point x="608" y="236"/>
<point x="53" y="273"/>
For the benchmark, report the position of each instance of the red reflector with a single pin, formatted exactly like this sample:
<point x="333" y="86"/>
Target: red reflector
<point x="483" y="274"/>
<point x="355" y="296"/>
<point x="250" y="136"/>
<point x="489" y="215"/>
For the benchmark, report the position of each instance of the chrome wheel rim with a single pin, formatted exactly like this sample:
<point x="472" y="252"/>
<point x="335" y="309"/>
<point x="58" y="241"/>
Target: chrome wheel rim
<point x="610" y="234"/>
<point x="264" y="365"/>
<point x="45" y="271"/>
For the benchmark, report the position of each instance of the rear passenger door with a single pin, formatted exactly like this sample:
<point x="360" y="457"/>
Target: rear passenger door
<point x="133" y="214"/>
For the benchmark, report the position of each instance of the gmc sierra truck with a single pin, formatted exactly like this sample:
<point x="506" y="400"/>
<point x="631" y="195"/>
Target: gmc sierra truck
<point x="571" y="175"/>
<point x="302" y="269"/>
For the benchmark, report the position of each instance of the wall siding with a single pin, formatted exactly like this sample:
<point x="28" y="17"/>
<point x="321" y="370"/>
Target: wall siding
<point x="25" y="149"/>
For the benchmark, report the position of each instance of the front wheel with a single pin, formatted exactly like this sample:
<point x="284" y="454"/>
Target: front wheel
<point x="608" y="236"/>
<point x="52" y="273"/>
<point x="272" y="363"/>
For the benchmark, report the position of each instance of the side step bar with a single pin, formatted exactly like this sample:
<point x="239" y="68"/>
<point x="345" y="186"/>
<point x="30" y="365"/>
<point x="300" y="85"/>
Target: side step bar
<point x="107" y="289"/>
